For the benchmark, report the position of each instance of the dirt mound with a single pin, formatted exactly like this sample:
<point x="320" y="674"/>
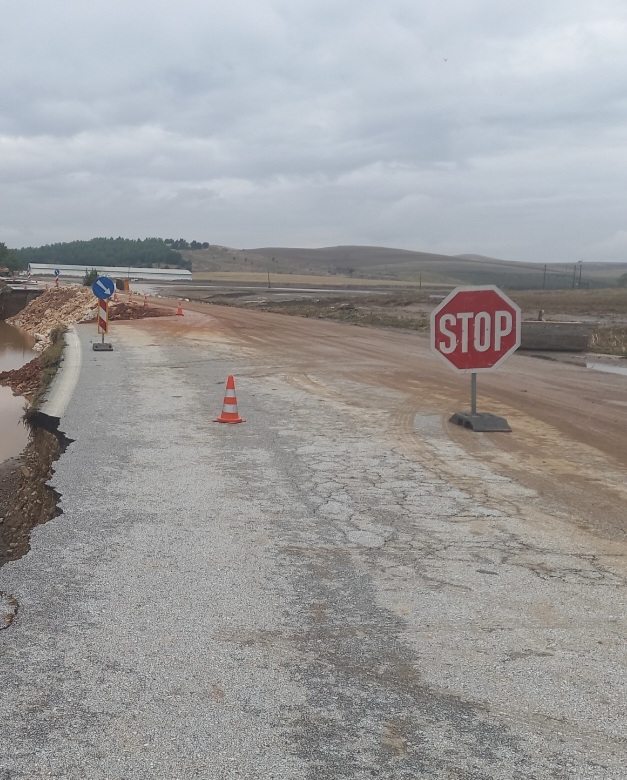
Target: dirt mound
<point x="129" y="310"/>
<point x="59" y="306"/>
<point x="135" y="311"/>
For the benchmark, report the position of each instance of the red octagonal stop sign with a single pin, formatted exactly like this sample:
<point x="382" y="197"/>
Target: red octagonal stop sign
<point x="475" y="328"/>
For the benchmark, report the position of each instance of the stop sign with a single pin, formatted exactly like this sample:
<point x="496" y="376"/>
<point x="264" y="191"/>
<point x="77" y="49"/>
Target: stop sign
<point x="475" y="328"/>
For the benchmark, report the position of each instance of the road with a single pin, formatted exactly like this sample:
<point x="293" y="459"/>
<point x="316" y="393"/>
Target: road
<point x="344" y="586"/>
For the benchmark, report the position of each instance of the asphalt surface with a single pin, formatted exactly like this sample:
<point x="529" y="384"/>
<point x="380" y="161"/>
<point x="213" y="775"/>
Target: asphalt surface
<point x="299" y="596"/>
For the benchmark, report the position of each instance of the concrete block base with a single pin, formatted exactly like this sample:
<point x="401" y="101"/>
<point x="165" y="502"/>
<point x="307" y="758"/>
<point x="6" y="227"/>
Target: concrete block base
<point x="483" y="422"/>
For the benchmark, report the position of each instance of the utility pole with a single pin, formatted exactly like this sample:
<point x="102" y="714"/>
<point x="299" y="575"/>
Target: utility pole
<point x="544" y="279"/>
<point x="574" y="275"/>
<point x="580" y="270"/>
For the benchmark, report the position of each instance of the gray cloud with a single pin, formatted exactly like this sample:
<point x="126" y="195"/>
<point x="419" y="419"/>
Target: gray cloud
<point x="470" y="125"/>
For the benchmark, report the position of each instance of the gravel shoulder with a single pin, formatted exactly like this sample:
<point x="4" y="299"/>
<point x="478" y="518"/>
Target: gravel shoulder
<point x="342" y="587"/>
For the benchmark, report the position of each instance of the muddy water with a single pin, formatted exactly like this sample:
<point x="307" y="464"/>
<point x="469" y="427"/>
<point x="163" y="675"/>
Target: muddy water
<point x="15" y="350"/>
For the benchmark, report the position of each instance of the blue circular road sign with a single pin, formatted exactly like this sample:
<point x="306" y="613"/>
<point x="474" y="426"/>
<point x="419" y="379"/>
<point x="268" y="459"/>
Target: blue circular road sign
<point x="56" y="272"/>
<point x="103" y="287"/>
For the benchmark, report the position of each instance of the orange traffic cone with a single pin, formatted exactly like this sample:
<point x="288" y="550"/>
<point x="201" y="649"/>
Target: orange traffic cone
<point x="115" y="297"/>
<point x="145" y="301"/>
<point x="229" y="409"/>
<point x="179" y="311"/>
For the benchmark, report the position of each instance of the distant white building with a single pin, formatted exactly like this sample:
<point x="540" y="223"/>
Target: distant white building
<point x="115" y="272"/>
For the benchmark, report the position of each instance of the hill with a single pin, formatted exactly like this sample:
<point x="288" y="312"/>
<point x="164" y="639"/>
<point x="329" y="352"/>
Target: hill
<point x="404" y="265"/>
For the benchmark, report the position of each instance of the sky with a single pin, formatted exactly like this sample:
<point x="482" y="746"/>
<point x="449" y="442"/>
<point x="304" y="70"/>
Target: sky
<point x="464" y="126"/>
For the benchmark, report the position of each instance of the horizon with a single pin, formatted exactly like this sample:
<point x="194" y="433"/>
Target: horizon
<point x="468" y="255"/>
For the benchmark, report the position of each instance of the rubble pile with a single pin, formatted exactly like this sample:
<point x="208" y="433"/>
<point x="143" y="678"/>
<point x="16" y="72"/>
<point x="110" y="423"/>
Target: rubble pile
<point x="25" y="380"/>
<point x="129" y="310"/>
<point x="61" y="306"/>
<point x="56" y="307"/>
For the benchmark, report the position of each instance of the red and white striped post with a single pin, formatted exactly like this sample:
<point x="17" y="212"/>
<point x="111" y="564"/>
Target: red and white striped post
<point x="103" y="317"/>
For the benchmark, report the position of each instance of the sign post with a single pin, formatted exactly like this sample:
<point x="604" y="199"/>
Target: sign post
<point x="103" y="288"/>
<point x="476" y="329"/>
<point x="103" y="317"/>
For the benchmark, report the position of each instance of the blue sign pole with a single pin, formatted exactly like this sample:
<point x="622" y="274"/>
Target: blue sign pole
<point x="103" y="288"/>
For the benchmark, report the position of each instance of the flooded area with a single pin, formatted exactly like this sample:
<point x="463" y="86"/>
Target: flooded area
<point x="15" y="351"/>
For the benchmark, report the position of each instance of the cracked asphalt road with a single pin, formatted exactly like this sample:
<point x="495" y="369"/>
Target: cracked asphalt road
<point x="345" y="586"/>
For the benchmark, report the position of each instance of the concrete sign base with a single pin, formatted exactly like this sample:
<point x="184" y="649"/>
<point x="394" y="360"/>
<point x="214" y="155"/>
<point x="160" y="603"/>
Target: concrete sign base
<point x="482" y="422"/>
<point x="97" y="346"/>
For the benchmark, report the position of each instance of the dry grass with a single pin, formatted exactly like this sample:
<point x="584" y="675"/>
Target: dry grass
<point x="609" y="340"/>
<point x="595" y="303"/>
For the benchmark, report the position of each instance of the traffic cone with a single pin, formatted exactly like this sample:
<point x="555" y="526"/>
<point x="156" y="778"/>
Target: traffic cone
<point x="229" y="409"/>
<point x="145" y="301"/>
<point x="115" y="297"/>
<point x="179" y="311"/>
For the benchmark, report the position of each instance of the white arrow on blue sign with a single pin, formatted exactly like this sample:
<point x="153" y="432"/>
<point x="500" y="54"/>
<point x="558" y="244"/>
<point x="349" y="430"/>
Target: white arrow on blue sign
<point x="103" y="288"/>
<point x="57" y="272"/>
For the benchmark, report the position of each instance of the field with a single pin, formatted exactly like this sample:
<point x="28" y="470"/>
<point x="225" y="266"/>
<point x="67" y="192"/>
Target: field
<point x="604" y="304"/>
<point x="405" y="306"/>
<point x="308" y="280"/>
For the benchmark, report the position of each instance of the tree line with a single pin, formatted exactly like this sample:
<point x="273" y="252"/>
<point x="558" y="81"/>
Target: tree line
<point x="142" y="253"/>
<point x="181" y="243"/>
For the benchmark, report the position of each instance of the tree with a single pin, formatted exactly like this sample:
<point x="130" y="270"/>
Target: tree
<point x="90" y="277"/>
<point x="9" y="260"/>
<point x="622" y="281"/>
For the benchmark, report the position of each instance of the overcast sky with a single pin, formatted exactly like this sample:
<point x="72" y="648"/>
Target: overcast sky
<point x="484" y="126"/>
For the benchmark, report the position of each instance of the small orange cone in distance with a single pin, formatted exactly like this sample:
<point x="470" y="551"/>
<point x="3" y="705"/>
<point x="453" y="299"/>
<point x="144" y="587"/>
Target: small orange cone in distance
<point x="115" y="297"/>
<point x="179" y="311"/>
<point x="229" y="409"/>
<point x="145" y="301"/>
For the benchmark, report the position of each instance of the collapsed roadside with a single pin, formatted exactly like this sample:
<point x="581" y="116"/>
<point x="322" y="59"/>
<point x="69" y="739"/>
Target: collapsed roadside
<point x="26" y="500"/>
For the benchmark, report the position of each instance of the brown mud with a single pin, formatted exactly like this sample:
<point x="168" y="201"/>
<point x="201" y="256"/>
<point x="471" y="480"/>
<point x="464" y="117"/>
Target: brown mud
<point x="568" y="440"/>
<point x="26" y="500"/>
